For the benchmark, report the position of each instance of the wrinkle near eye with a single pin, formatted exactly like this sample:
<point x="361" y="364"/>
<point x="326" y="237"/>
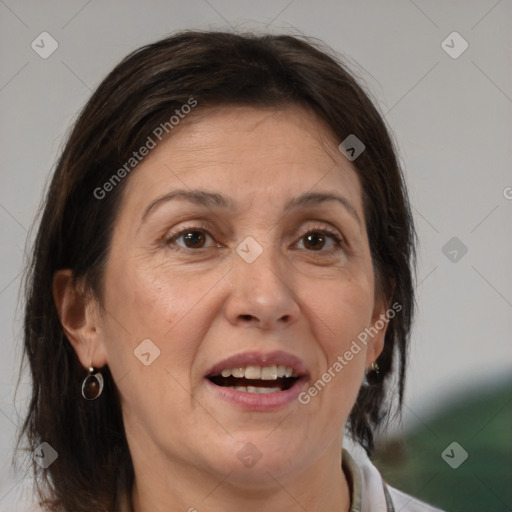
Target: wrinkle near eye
<point x="321" y="233"/>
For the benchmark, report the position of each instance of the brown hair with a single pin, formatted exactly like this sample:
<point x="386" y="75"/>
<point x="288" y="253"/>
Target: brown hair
<point x="142" y="91"/>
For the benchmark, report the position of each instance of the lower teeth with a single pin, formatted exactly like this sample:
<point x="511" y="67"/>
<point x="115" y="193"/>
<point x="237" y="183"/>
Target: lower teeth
<point x="253" y="389"/>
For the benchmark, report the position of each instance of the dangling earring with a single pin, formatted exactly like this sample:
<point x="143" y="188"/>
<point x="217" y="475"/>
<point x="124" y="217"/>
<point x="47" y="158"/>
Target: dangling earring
<point x="374" y="367"/>
<point x="92" y="386"/>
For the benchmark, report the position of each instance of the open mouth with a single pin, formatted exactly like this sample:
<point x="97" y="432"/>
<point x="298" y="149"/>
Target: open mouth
<point x="256" y="379"/>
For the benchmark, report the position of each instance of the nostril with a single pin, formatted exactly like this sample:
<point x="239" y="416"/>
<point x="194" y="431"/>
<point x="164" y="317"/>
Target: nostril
<point x="246" y="317"/>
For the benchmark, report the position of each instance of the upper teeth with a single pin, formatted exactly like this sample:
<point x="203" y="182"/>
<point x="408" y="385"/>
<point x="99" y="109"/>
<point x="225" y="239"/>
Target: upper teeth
<point x="259" y="372"/>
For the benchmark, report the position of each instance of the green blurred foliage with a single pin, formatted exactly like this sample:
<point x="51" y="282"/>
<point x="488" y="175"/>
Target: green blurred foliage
<point x="482" y="425"/>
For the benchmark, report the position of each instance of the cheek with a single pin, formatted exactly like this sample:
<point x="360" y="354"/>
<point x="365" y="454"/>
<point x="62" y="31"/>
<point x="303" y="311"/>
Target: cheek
<point x="164" y="307"/>
<point x="342" y="310"/>
<point x="156" y="303"/>
<point x="149" y="297"/>
<point x="174" y="308"/>
<point x="343" y="306"/>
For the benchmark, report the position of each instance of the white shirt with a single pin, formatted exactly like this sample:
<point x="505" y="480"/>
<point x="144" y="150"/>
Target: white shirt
<point x="369" y="492"/>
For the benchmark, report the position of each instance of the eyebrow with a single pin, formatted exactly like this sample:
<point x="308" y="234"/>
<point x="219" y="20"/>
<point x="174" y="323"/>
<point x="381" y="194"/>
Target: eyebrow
<point x="216" y="200"/>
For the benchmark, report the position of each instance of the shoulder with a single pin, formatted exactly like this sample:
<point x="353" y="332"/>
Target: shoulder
<point x="405" y="503"/>
<point x="370" y="493"/>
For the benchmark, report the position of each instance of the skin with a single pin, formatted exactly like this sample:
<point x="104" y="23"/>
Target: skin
<point x="308" y="299"/>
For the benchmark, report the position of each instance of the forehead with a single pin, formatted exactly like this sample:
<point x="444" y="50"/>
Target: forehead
<point x="255" y="156"/>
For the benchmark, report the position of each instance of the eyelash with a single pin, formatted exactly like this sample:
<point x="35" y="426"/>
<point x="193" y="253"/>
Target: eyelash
<point x="172" y="237"/>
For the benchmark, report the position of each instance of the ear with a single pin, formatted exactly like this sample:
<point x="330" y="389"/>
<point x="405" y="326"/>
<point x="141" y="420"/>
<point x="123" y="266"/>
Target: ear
<point x="379" y="325"/>
<point x="80" y="317"/>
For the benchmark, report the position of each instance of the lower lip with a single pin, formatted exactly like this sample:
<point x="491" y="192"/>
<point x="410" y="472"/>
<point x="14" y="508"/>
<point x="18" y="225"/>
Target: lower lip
<point x="258" y="401"/>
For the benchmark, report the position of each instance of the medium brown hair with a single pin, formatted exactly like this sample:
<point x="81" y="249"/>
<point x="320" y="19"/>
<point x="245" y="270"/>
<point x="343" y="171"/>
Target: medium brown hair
<point x="75" y="229"/>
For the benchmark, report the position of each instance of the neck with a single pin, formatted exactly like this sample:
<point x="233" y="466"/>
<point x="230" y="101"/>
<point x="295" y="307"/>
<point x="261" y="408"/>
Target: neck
<point x="181" y="487"/>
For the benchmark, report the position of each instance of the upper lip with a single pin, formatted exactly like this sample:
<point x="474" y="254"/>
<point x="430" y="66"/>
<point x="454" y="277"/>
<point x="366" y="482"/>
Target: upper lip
<point x="262" y="359"/>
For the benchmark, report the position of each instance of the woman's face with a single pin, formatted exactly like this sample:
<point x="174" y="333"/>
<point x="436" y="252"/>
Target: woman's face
<point x="249" y="273"/>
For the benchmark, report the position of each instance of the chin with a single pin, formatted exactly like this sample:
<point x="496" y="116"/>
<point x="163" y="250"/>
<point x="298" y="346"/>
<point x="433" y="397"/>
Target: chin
<point x="252" y="458"/>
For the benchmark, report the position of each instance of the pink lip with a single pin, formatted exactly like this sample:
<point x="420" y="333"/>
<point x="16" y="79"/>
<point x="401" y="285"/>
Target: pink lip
<point x="259" y="401"/>
<point x="259" y="359"/>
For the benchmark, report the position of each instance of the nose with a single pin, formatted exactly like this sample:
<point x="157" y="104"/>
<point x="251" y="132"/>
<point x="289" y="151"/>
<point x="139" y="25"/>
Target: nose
<point x="262" y="294"/>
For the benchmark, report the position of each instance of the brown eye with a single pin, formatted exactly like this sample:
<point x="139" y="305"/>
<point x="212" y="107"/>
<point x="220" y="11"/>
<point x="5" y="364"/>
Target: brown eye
<point x="314" y="241"/>
<point x="194" y="239"/>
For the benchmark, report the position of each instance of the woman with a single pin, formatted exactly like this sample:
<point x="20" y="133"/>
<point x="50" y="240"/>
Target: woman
<point x="220" y="286"/>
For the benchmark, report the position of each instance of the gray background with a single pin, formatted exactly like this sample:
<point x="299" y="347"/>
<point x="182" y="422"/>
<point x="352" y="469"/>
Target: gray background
<point x="450" y="116"/>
